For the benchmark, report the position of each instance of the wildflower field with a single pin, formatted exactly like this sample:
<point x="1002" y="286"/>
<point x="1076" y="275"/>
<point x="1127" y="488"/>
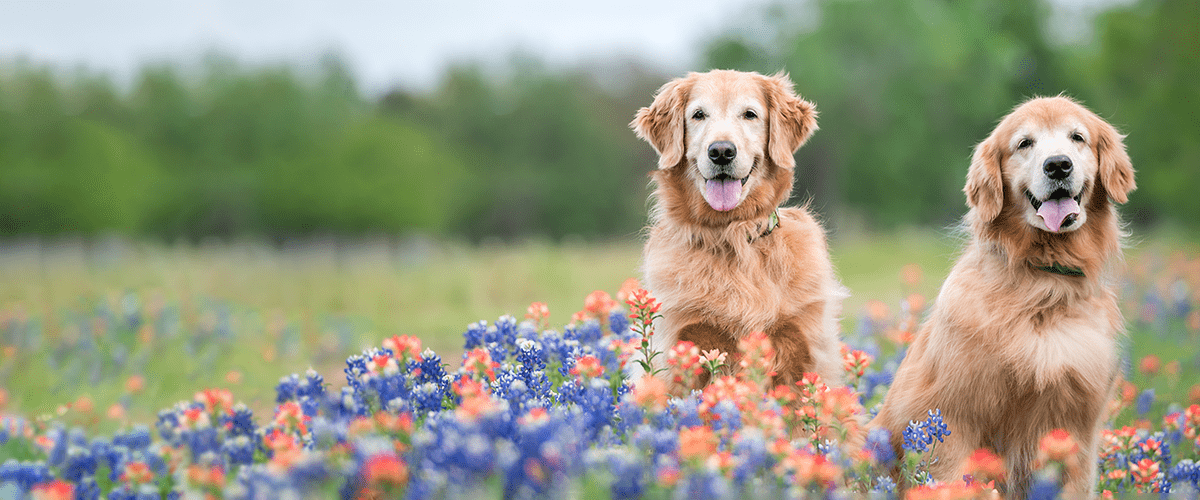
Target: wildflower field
<point x="316" y="373"/>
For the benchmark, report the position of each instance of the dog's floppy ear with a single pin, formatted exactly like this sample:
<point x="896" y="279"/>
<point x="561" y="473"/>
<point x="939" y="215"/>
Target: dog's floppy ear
<point x="985" y="183"/>
<point x="791" y="120"/>
<point x="1116" y="170"/>
<point x="661" y="124"/>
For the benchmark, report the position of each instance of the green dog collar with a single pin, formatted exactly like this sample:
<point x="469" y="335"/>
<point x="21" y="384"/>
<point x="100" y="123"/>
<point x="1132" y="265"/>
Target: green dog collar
<point x="1057" y="268"/>
<point x="772" y="223"/>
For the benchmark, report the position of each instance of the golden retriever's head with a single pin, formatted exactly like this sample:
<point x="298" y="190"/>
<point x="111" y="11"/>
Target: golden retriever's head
<point x="1050" y="163"/>
<point x="727" y="132"/>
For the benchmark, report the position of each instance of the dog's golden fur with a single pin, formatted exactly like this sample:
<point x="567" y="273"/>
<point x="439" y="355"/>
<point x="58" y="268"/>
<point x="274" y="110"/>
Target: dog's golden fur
<point x="717" y="275"/>
<point x="1010" y="351"/>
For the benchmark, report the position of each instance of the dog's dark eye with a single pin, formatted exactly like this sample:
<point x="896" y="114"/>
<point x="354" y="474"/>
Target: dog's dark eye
<point x="1026" y="142"/>
<point x="698" y="115"/>
<point x="749" y="114"/>
<point x="1076" y="136"/>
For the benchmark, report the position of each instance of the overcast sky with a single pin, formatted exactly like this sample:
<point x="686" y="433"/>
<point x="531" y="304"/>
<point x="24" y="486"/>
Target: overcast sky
<point x="388" y="43"/>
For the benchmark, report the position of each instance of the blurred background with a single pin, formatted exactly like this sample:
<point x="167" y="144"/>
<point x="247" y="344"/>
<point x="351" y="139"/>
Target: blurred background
<point x="226" y="192"/>
<point x="265" y="119"/>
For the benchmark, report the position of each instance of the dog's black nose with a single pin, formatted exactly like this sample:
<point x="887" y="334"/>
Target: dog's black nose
<point x="1056" y="167"/>
<point x="722" y="152"/>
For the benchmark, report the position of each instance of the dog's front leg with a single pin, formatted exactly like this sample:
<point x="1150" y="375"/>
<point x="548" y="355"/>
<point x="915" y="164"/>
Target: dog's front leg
<point x="708" y="336"/>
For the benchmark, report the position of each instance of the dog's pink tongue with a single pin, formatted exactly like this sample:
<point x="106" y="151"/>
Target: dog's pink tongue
<point x="1053" y="212"/>
<point x="722" y="195"/>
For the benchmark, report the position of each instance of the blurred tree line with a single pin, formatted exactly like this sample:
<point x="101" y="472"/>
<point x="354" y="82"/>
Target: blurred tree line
<point x="905" y="89"/>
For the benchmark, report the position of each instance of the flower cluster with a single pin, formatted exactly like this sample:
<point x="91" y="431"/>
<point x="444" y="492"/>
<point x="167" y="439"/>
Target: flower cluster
<point x="535" y="412"/>
<point x="921" y="436"/>
<point x="528" y="413"/>
<point x="643" y="311"/>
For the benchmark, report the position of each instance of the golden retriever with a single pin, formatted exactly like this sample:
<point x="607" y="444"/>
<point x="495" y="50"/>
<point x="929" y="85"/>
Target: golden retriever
<point x="1022" y="339"/>
<point x="722" y="257"/>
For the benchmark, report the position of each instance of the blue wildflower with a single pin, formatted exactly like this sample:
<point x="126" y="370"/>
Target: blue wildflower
<point x="879" y="444"/>
<point x="546" y="450"/>
<point x="589" y="333"/>
<point x="705" y="484"/>
<point x="532" y="370"/>
<point x="688" y="410"/>
<point x="11" y="426"/>
<point x="136" y="439"/>
<point x="108" y="456"/>
<point x="918" y="436"/>
<point x="58" y="452"/>
<point x="475" y="335"/>
<point x="873" y="380"/>
<point x="1144" y="401"/>
<point x="506" y="330"/>
<point x="356" y="369"/>
<point x="240" y="421"/>
<point x="168" y="426"/>
<point x="201" y="441"/>
<point x="143" y="492"/>
<point x="87" y="489"/>
<point x="500" y="338"/>
<point x="750" y="451"/>
<point x="463" y="452"/>
<point x="658" y="441"/>
<point x="626" y="469"/>
<point x="76" y="437"/>
<point x="884" y="484"/>
<point x="1186" y="470"/>
<point x="24" y="474"/>
<point x="426" y="397"/>
<point x="618" y="322"/>
<point x="1044" y="487"/>
<point x="431" y="368"/>
<point x="80" y="462"/>
<point x="154" y="461"/>
<point x="527" y="330"/>
<point x="1175" y="435"/>
<point x="286" y="389"/>
<point x="238" y="450"/>
<point x="593" y="401"/>
<point x="308" y="471"/>
<point x="346" y="405"/>
<point x="312" y="387"/>
<point x="728" y="417"/>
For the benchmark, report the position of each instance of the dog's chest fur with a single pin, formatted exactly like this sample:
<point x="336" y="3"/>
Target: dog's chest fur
<point x="1026" y="362"/>
<point x="741" y="284"/>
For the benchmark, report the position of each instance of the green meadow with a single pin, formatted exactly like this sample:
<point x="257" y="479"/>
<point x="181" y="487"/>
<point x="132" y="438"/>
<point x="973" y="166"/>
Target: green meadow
<point x="242" y="315"/>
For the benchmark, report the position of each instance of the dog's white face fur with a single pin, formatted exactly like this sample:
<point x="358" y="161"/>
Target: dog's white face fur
<point x="1048" y="160"/>
<point x="1037" y="149"/>
<point x="731" y="111"/>
<point x="731" y="132"/>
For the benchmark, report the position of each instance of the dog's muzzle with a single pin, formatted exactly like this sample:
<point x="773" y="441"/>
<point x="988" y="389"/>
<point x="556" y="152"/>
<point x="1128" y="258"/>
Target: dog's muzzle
<point x="1057" y="167"/>
<point x="722" y="152"/>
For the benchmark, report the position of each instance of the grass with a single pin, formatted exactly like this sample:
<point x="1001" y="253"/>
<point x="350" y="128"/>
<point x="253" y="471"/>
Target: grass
<point x="431" y="290"/>
<point x="313" y="303"/>
<point x="307" y="304"/>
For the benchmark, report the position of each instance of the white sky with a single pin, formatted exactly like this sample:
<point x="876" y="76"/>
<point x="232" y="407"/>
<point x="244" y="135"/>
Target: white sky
<point x="400" y="42"/>
<point x="404" y="43"/>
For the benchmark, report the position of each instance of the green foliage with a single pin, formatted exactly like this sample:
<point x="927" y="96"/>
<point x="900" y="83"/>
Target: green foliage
<point x="65" y="171"/>
<point x="21" y="450"/>
<point x="551" y="153"/>
<point x="377" y="174"/>
<point x="233" y="151"/>
<point x="1142" y="75"/>
<point x="85" y="178"/>
<point x="904" y="91"/>
<point x="519" y="148"/>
